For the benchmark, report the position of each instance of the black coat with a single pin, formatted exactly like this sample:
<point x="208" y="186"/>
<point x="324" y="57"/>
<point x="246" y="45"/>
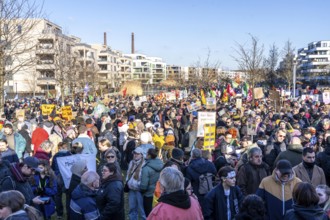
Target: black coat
<point x="305" y="213"/>
<point x="110" y="199"/>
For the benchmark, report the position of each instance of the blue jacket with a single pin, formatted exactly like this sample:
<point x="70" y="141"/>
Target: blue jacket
<point x="20" y="143"/>
<point x="48" y="190"/>
<point x="88" y="144"/>
<point x="61" y="153"/>
<point x="196" y="168"/>
<point x="83" y="204"/>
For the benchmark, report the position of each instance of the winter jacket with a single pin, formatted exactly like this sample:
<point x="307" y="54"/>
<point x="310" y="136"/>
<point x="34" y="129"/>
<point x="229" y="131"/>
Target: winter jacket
<point x="19" y="215"/>
<point x="20" y="143"/>
<point x="272" y="150"/>
<point x="277" y="195"/>
<point x="293" y="154"/>
<point x="145" y="148"/>
<point x="110" y="199"/>
<point x="10" y="155"/>
<point x="318" y="177"/>
<point x="48" y="190"/>
<point x="61" y="153"/>
<point x="215" y="203"/>
<point x="134" y="184"/>
<point x="305" y="213"/>
<point x="25" y="134"/>
<point x="323" y="161"/>
<point x="149" y="176"/>
<point x="39" y="135"/>
<point x="83" y="204"/>
<point x="88" y="144"/>
<point x="196" y="168"/>
<point x="179" y="207"/>
<point x="249" y="177"/>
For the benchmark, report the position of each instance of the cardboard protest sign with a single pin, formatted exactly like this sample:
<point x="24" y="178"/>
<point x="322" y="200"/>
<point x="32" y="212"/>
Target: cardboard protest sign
<point x="204" y="118"/>
<point x="183" y="94"/>
<point x="66" y="112"/>
<point x="20" y="113"/>
<point x="194" y="106"/>
<point x="209" y="136"/>
<point x="326" y="96"/>
<point x="170" y="96"/>
<point x="46" y="109"/>
<point x="251" y="127"/>
<point x="275" y="98"/>
<point x="238" y="103"/>
<point x="143" y="98"/>
<point x="65" y="164"/>
<point x="211" y="103"/>
<point x="137" y="103"/>
<point x="258" y="93"/>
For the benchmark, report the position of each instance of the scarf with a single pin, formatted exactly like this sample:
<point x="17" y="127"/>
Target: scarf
<point x="17" y="173"/>
<point x="178" y="199"/>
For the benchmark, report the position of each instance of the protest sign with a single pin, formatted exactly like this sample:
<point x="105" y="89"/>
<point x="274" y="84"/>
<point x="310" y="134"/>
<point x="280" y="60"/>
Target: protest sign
<point x="194" y="106"/>
<point x="275" y="98"/>
<point x="251" y="127"/>
<point x="183" y="94"/>
<point x="66" y="112"/>
<point x="46" y="109"/>
<point x="209" y="136"/>
<point x="20" y="113"/>
<point x="238" y="103"/>
<point x="170" y="96"/>
<point x="143" y="99"/>
<point x="204" y="118"/>
<point x="137" y="103"/>
<point x="65" y="164"/>
<point x="258" y="93"/>
<point x="99" y="109"/>
<point x="326" y="96"/>
<point x="211" y="103"/>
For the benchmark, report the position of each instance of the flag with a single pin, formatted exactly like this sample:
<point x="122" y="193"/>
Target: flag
<point x="16" y="97"/>
<point x="4" y="93"/>
<point x="224" y="96"/>
<point x="235" y="84"/>
<point x="230" y="90"/>
<point x="203" y="99"/>
<point x="249" y="96"/>
<point x="245" y="89"/>
<point x="124" y="92"/>
<point x="50" y="95"/>
<point x="213" y="94"/>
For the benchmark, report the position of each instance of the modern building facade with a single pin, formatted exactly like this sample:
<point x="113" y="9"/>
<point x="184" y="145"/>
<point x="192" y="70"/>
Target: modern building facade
<point x="313" y="62"/>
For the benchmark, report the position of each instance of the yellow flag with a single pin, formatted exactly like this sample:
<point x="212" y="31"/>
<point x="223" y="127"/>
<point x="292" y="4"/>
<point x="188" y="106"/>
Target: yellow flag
<point x="203" y="99"/>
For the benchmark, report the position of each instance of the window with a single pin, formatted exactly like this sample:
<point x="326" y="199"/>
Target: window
<point x="5" y="29"/>
<point x="324" y="45"/>
<point x="19" y="29"/>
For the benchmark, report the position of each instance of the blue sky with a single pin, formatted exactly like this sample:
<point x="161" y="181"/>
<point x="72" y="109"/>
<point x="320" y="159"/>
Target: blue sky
<point x="181" y="31"/>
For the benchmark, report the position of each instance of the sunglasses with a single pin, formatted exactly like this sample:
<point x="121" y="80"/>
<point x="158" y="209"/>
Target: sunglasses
<point x="110" y="156"/>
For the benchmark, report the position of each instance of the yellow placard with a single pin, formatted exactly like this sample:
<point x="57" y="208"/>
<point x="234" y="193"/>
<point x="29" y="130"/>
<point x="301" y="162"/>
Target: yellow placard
<point x="20" y="112"/>
<point x="46" y="109"/>
<point x="209" y="136"/>
<point x="66" y="112"/>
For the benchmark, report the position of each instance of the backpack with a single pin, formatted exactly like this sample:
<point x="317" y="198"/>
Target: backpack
<point x="3" y="180"/>
<point x="205" y="183"/>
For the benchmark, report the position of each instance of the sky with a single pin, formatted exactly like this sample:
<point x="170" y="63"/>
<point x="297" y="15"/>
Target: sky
<point x="183" y="32"/>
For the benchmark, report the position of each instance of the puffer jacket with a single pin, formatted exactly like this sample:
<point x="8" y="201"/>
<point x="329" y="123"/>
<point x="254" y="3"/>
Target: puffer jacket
<point x="277" y="195"/>
<point x="305" y="213"/>
<point x="150" y="175"/>
<point x="20" y="143"/>
<point x="293" y="154"/>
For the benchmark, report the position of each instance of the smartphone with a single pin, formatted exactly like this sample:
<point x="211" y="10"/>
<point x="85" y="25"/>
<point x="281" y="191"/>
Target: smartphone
<point x="45" y="199"/>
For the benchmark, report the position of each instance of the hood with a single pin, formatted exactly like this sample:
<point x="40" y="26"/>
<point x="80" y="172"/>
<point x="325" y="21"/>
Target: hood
<point x="179" y="199"/>
<point x="306" y="213"/>
<point x="295" y="147"/>
<point x="292" y="176"/>
<point x="82" y="191"/>
<point x="155" y="164"/>
<point x="199" y="165"/>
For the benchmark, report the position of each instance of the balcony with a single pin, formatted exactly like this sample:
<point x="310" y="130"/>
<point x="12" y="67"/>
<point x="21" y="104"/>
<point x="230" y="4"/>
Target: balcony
<point x="46" y="81"/>
<point x="45" y="66"/>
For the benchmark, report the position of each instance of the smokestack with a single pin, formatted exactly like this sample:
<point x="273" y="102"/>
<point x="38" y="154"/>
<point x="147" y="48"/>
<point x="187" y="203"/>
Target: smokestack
<point x="132" y="43"/>
<point x="105" y="39"/>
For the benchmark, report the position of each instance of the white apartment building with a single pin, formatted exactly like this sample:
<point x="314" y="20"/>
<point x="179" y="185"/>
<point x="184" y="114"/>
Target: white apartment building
<point x="149" y="70"/>
<point x="313" y="62"/>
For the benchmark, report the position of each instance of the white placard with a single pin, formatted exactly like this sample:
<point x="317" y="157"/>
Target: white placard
<point x="204" y="118"/>
<point x="65" y="164"/>
<point x="326" y="97"/>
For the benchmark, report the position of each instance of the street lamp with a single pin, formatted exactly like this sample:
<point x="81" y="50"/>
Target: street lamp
<point x="16" y="90"/>
<point x="294" y="76"/>
<point x="47" y="91"/>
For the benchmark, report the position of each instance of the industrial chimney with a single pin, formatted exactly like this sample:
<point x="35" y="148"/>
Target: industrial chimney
<point x="105" y="39"/>
<point x="132" y="43"/>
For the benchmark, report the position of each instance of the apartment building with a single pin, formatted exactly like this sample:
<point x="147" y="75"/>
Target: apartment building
<point x="149" y="70"/>
<point x="175" y="72"/>
<point x="313" y="62"/>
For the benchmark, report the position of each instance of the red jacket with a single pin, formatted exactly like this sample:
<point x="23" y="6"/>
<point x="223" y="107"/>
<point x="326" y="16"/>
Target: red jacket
<point x="164" y="211"/>
<point x="39" y="135"/>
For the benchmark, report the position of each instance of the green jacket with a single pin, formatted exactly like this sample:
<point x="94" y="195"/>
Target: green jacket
<point x="150" y="175"/>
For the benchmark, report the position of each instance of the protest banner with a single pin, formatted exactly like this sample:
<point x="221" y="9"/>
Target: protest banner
<point x="211" y="103"/>
<point x="65" y="164"/>
<point x="194" y="106"/>
<point x="66" y="112"/>
<point x="238" y="103"/>
<point x="143" y="98"/>
<point x="170" y="96"/>
<point x="258" y="93"/>
<point x="326" y="96"/>
<point x="209" y="137"/>
<point x="46" y="109"/>
<point x="204" y="118"/>
<point x="137" y="103"/>
<point x="20" y="113"/>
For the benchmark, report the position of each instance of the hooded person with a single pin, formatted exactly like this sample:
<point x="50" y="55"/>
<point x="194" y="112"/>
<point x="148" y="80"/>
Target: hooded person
<point x="276" y="190"/>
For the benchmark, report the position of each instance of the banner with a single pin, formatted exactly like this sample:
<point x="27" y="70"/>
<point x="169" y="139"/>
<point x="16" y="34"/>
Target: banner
<point x="211" y="103"/>
<point x="204" y="118"/>
<point x="170" y="96"/>
<point x="65" y="164"/>
<point x="194" y="106"/>
<point x="326" y="96"/>
<point x="66" y="112"/>
<point x="137" y="103"/>
<point x="46" y="109"/>
<point x="143" y="99"/>
<point x="258" y="93"/>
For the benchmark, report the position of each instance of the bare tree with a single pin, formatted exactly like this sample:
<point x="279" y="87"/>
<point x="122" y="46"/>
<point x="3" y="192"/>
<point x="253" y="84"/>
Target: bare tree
<point x="250" y="60"/>
<point x="286" y="66"/>
<point x="17" y="20"/>
<point x="270" y="64"/>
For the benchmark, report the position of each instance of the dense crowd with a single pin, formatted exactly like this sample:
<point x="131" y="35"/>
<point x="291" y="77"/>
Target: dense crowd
<point x="267" y="162"/>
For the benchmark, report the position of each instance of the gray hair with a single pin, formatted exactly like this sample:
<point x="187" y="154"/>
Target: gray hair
<point x="171" y="179"/>
<point x="252" y="151"/>
<point x="47" y="145"/>
<point x="89" y="177"/>
<point x="196" y="153"/>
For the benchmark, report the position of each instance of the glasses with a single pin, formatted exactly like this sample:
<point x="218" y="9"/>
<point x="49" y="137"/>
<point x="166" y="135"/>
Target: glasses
<point x="111" y="156"/>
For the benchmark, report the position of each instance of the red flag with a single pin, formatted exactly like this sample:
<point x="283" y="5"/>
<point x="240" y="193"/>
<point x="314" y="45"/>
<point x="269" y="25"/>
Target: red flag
<point x="124" y="92"/>
<point x="249" y="97"/>
<point x="230" y="90"/>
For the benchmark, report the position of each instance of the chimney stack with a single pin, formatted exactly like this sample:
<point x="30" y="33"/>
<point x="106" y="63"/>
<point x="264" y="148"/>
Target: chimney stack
<point x="132" y="43"/>
<point x="105" y="39"/>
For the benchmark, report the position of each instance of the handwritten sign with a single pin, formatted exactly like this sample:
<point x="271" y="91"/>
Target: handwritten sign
<point x="46" y="109"/>
<point x="211" y="103"/>
<point x="203" y="119"/>
<point x="66" y="112"/>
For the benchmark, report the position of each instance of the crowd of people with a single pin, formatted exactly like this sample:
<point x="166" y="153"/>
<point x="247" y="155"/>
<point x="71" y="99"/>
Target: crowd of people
<point x="267" y="162"/>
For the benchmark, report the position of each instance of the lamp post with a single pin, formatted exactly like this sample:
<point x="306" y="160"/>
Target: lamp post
<point x="47" y="91"/>
<point x="294" y="77"/>
<point x="16" y="90"/>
